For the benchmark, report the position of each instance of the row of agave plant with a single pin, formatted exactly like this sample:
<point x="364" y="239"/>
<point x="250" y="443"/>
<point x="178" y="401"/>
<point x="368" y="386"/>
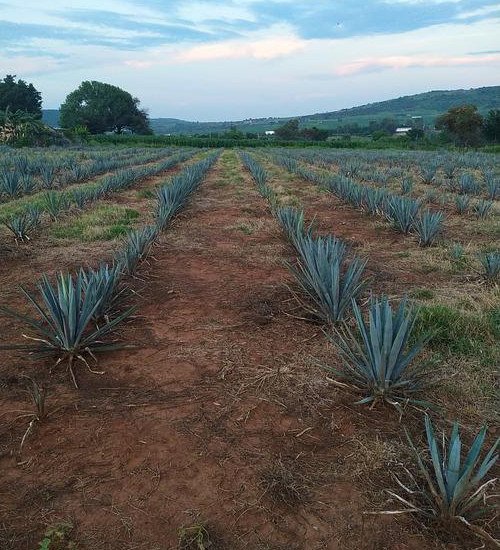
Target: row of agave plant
<point x="398" y="163"/>
<point x="54" y="203"/>
<point x="461" y="187"/>
<point x="445" y="172"/>
<point x="379" y="364"/>
<point x="404" y="213"/>
<point x="16" y="182"/>
<point x="77" y="312"/>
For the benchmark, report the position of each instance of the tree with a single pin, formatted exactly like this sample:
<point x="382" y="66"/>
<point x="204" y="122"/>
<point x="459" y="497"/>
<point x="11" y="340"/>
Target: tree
<point x="289" y="130"/>
<point x="102" y="108"/>
<point x="463" y="124"/>
<point x="415" y="134"/>
<point x="314" y="134"/>
<point x="491" y="125"/>
<point x="19" y="96"/>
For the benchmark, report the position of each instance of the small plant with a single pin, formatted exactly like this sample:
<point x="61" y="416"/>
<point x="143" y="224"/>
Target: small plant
<point x="457" y="252"/>
<point x="380" y="365"/>
<point x="493" y="188"/>
<point x="462" y="203"/>
<point x="79" y="197"/>
<point x="467" y="185"/>
<point x="38" y="397"/>
<point x="28" y="183"/>
<point x="64" y="329"/>
<point x="292" y="221"/>
<point x="47" y="176"/>
<point x="56" y="538"/>
<point x="23" y="225"/>
<point x="328" y="280"/>
<point x="490" y="263"/>
<point x="455" y="492"/>
<point x="53" y="203"/>
<point x="428" y="226"/>
<point x="483" y="209"/>
<point x="10" y="183"/>
<point x="194" y="537"/>
<point x="407" y="185"/>
<point x="402" y="212"/>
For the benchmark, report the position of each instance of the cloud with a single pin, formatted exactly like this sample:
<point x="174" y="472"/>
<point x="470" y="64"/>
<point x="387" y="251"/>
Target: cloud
<point x="158" y="32"/>
<point x="366" y="65"/>
<point x="266" y="49"/>
<point x="332" y="19"/>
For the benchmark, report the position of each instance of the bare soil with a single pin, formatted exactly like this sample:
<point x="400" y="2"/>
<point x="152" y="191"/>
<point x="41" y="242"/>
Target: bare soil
<point x="217" y="418"/>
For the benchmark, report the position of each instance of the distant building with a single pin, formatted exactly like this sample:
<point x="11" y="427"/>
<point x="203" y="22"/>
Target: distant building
<point x="270" y="132"/>
<point x="403" y="131"/>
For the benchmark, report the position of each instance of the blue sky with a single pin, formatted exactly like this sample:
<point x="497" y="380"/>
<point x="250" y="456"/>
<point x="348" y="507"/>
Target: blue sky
<point x="236" y="59"/>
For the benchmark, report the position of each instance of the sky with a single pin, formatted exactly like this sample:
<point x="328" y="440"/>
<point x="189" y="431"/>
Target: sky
<point x="238" y="59"/>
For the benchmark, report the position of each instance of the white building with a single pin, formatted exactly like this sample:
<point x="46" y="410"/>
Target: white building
<point x="270" y="132"/>
<point x="403" y="131"/>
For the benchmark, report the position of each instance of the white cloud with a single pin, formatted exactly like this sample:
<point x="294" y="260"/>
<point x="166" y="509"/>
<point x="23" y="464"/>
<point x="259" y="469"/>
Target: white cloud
<point x="399" y="62"/>
<point x="266" y="49"/>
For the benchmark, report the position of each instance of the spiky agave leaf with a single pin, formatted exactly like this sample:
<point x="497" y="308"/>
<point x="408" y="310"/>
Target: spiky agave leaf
<point x="462" y="203"/>
<point x="135" y="248"/>
<point x="490" y="263"/>
<point x="379" y="363"/>
<point x="23" y="225"/>
<point x="455" y="487"/>
<point x="64" y="329"/>
<point x="103" y="284"/>
<point x="483" y="209"/>
<point x="292" y="221"/>
<point x="428" y="226"/>
<point x="54" y="203"/>
<point x="402" y="212"/>
<point x="327" y="280"/>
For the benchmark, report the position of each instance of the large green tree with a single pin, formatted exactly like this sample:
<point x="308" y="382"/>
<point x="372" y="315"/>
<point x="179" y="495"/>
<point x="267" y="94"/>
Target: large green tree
<point x="492" y="125"/>
<point x="19" y="96"/>
<point x="102" y="108"/>
<point x="289" y="130"/>
<point x="463" y="124"/>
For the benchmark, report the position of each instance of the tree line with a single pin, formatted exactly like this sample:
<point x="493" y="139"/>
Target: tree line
<point x="96" y="108"/>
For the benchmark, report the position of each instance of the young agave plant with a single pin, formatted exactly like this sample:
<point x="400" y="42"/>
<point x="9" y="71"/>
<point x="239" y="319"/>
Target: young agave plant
<point x="407" y="185"/>
<point x="402" y="212"/>
<point x="379" y="365"/>
<point x="64" y="329"/>
<point x="493" y="188"/>
<point x="483" y="209"/>
<point x="462" y="203"/>
<point x="23" y="225"/>
<point x="490" y="263"/>
<point x="102" y="283"/>
<point x="53" y="203"/>
<point x="428" y="226"/>
<point x="455" y="492"/>
<point x="10" y="181"/>
<point x="329" y="283"/>
<point x="293" y="224"/>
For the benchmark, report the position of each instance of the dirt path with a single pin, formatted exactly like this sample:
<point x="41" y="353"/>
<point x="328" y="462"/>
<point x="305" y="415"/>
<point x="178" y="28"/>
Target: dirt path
<point x="217" y="418"/>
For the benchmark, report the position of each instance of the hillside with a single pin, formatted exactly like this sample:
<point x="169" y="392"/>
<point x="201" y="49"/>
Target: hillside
<point x="429" y="105"/>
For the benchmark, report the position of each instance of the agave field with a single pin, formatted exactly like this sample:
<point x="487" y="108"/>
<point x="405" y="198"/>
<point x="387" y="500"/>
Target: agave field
<point x="263" y="350"/>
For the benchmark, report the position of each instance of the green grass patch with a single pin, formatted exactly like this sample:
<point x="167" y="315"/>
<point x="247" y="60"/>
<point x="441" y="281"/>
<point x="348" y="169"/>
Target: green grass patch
<point x="458" y="332"/>
<point x="146" y="194"/>
<point x="103" y="223"/>
<point x="422" y="294"/>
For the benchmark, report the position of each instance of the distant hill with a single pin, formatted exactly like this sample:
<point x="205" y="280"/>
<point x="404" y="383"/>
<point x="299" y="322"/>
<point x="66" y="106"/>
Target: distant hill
<point x="428" y="105"/>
